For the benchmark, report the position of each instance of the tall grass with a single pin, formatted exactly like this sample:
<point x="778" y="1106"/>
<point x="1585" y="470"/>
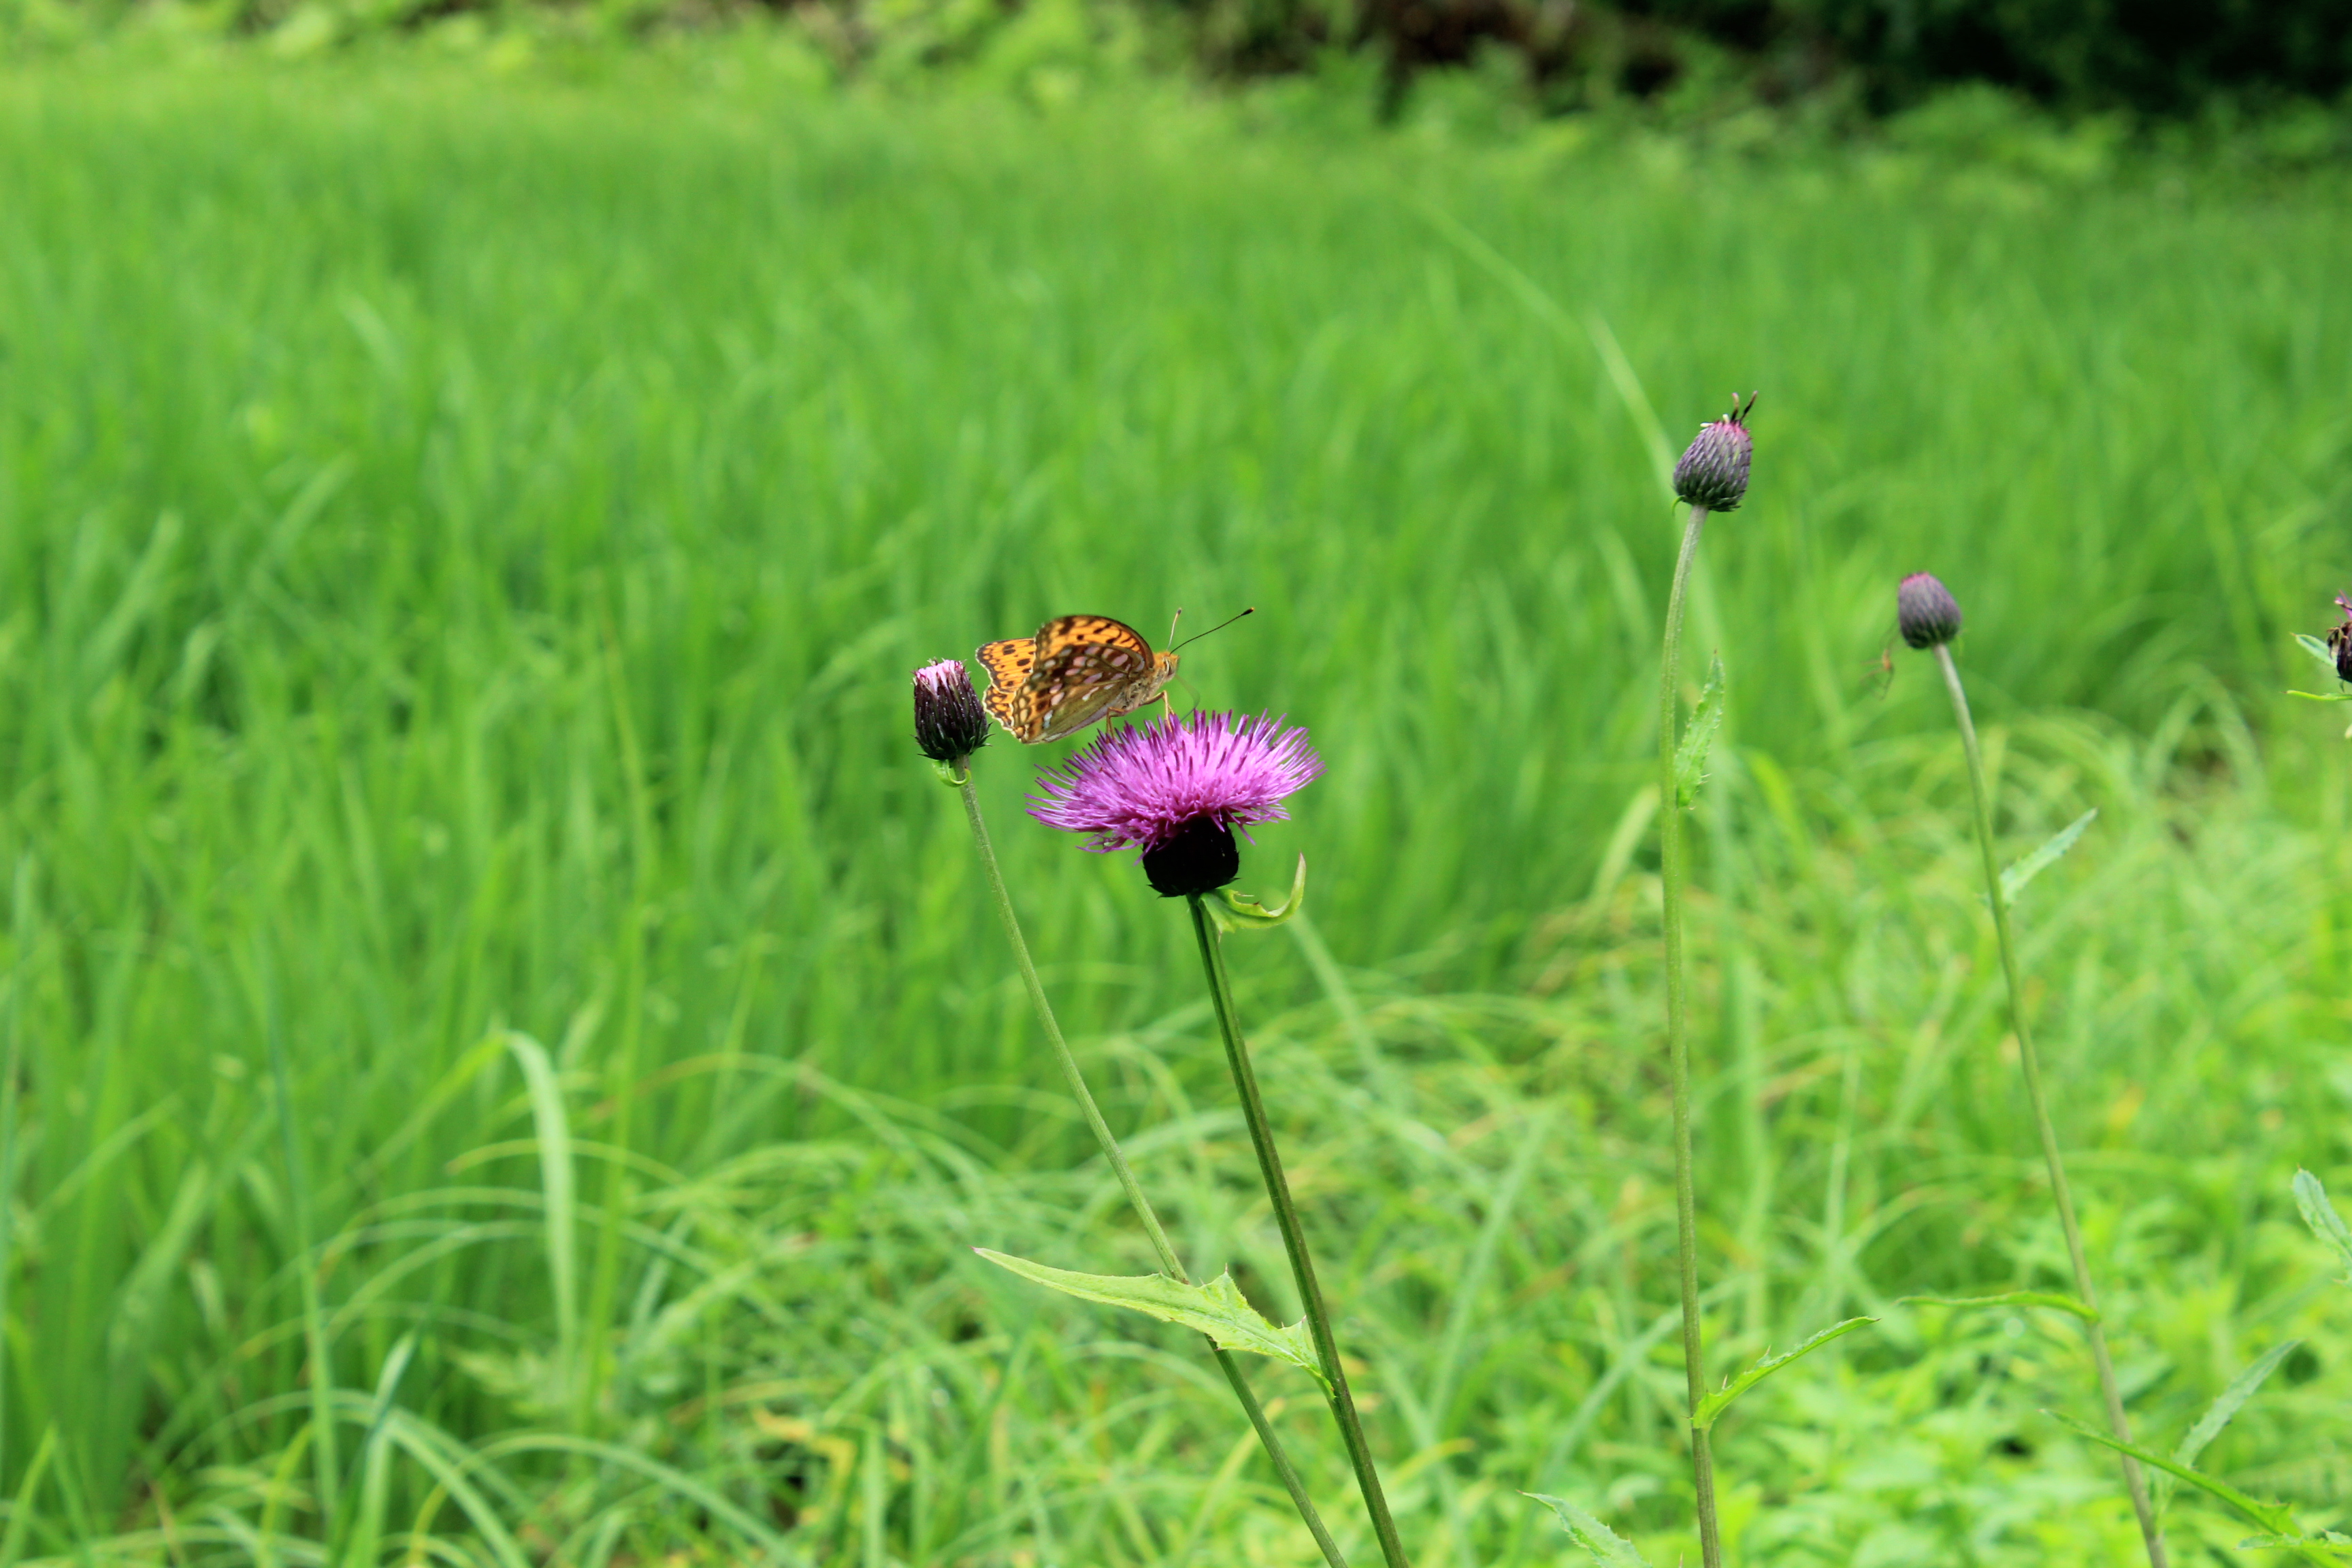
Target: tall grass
<point x="464" y="537"/>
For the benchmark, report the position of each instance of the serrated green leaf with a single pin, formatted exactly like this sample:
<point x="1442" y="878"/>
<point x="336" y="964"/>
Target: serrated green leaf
<point x="2271" y="1516"/>
<point x="1716" y="1404"/>
<point x="2335" y="1540"/>
<point x="2317" y="649"/>
<point x="2232" y="1399"/>
<point x="2323" y="695"/>
<point x="2013" y="880"/>
<point x="1215" y="1309"/>
<point x="2320" y="1215"/>
<point x="2050" y="1298"/>
<point x="1690" y="755"/>
<point x="1238" y="912"/>
<point x="1609" y="1549"/>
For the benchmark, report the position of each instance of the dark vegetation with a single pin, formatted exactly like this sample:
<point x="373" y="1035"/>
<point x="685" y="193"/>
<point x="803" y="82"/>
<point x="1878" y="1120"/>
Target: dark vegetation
<point x="2197" y="60"/>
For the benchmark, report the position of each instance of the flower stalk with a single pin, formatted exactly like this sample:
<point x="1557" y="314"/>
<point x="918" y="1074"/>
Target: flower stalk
<point x="1673" y="874"/>
<point x="1117" y="1158"/>
<point x="1293" y="1236"/>
<point x="2151" y="1534"/>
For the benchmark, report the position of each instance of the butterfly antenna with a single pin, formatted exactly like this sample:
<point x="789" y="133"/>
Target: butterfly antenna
<point x="1172" y="625"/>
<point x="1196" y="636"/>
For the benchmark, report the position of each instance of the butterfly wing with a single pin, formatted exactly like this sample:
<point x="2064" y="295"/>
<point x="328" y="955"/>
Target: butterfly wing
<point x="1088" y="669"/>
<point x="1008" y="664"/>
<point x="1089" y="631"/>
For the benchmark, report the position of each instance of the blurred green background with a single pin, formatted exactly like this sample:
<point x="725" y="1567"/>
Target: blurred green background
<point x="466" y="523"/>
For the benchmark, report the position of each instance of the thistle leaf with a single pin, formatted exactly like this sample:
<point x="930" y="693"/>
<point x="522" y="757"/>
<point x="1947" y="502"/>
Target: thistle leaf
<point x="2317" y="649"/>
<point x="1716" y="1404"/>
<point x="1238" y="911"/>
<point x="2013" y="880"/>
<point x="2232" y="1399"/>
<point x="1690" y="755"/>
<point x="1215" y="1309"/>
<point x="2270" y="1516"/>
<point x="2334" y="1540"/>
<point x="2050" y="1298"/>
<point x="2321" y="1217"/>
<point x="1609" y="1549"/>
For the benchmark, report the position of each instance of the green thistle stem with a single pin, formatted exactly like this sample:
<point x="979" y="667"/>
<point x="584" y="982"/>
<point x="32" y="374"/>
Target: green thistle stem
<point x="1674" y="872"/>
<point x="1293" y="1238"/>
<point x="2031" y="1061"/>
<point x="1116" y="1157"/>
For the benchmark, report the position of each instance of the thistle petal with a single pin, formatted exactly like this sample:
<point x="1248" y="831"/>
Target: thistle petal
<point x="1147" y="785"/>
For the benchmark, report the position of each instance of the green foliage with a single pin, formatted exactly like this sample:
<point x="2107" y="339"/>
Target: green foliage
<point x="1608" y="1548"/>
<point x="470" y="523"/>
<point x="1215" y="1309"/>
<point x="2327" y="657"/>
<point x="2051" y="1299"/>
<point x="1711" y="1408"/>
<point x="2231" y="1400"/>
<point x="2271" y="1516"/>
<point x="2014" y="877"/>
<point x="1698" y="734"/>
<point x="2311" y="1200"/>
<point x="1239" y="911"/>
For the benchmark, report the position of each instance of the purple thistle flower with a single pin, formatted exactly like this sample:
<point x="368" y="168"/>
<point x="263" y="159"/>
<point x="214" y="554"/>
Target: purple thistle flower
<point x="1924" y="611"/>
<point x="1713" y="472"/>
<point x="1175" y="789"/>
<point x="950" y="724"/>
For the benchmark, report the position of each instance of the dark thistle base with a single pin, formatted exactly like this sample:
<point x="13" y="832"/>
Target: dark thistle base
<point x="1200" y="859"/>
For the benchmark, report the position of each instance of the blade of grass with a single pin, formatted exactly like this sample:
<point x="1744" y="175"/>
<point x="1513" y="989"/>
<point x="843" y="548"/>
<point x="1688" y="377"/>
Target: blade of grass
<point x="20" y="1510"/>
<point x="553" y="1131"/>
<point x="325" y="1467"/>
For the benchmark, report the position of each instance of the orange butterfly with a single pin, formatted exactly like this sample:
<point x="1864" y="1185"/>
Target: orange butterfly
<point x="1076" y="670"/>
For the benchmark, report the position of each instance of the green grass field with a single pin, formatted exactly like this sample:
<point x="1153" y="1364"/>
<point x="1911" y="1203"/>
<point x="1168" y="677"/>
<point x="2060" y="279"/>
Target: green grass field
<point x="463" y="540"/>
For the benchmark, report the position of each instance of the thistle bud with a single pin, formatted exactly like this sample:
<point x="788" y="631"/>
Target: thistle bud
<point x="1926" y="611"/>
<point x="950" y="724"/>
<point x="1713" y="473"/>
<point x="2339" y="640"/>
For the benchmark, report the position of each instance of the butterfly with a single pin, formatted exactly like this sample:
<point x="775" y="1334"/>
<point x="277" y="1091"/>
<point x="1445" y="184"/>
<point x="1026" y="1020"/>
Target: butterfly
<point x="1076" y="670"/>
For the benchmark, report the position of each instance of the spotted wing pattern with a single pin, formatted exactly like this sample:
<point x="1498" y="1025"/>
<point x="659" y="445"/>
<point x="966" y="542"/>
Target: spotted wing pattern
<point x="1008" y="664"/>
<point x="1088" y="667"/>
<point x="1076" y="671"/>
